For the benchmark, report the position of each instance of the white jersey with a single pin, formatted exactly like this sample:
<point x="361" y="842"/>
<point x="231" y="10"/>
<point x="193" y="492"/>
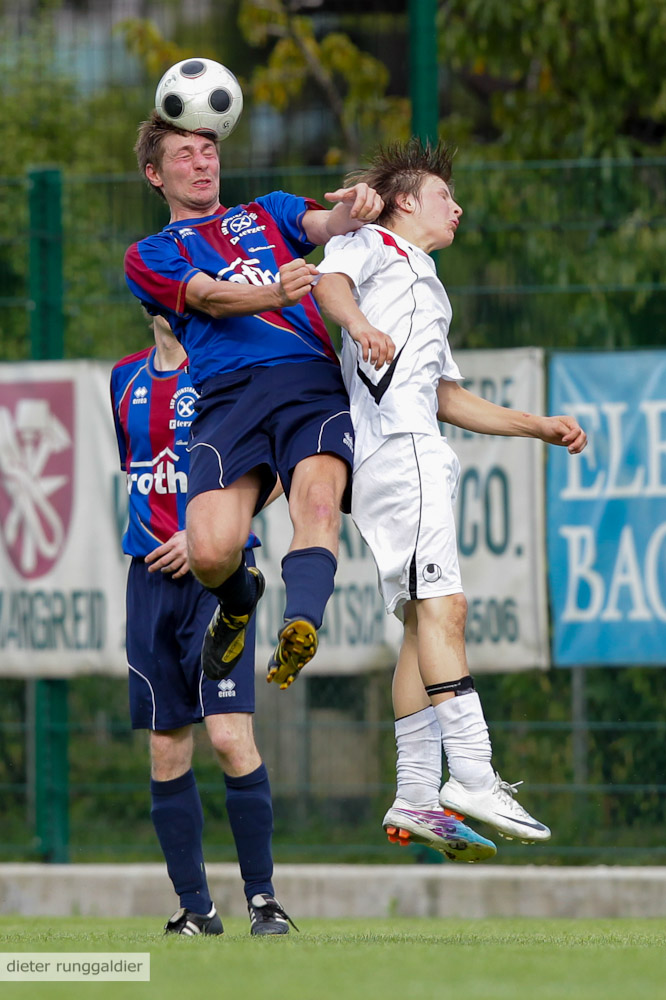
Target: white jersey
<point x="398" y="291"/>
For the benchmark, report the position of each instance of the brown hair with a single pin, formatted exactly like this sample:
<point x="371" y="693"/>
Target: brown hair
<point x="401" y="168"/>
<point x="148" y="145"/>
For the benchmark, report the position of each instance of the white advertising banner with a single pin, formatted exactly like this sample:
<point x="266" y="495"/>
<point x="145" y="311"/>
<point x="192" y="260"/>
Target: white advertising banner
<point x="500" y="518"/>
<point x="63" y="507"/>
<point x="62" y="573"/>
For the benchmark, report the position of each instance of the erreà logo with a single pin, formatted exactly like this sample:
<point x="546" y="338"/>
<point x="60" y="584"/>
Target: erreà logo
<point x="36" y="472"/>
<point x="226" y="688"/>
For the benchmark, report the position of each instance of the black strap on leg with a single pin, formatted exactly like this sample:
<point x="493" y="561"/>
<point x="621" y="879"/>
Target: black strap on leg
<point x="464" y="685"/>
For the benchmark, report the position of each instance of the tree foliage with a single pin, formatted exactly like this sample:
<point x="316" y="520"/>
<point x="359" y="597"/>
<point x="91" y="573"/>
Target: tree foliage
<point x="536" y="79"/>
<point x="47" y="120"/>
<point x="521" y="79"/>
<point x="144" y="39"/>
<point x="352" y="83"/>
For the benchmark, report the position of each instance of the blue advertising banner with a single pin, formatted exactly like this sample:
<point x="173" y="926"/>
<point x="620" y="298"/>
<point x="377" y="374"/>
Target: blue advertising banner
<point x="606" y="531"/>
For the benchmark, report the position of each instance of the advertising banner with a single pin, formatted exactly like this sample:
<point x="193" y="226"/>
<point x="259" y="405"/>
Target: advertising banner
<point x="500" y="518"/>
<point x="607" y="507"/>
<point x="63" y="505"/>
<point x="62" y="573"/>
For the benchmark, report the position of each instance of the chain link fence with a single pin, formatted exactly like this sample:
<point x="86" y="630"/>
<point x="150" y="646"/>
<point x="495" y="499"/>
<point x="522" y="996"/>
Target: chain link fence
<point x="329" y="747"/>
<point x="558" y="254"/>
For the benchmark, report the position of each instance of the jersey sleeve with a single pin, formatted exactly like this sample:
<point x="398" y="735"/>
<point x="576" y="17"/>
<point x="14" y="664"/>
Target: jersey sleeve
<point x="288" y="210"/>
<point x="450" y="371"/>
<point x="116" y="388"/>
<point x="157" y="271"/>
<point x="359" y="255"/>
<point x="122" y="374"/>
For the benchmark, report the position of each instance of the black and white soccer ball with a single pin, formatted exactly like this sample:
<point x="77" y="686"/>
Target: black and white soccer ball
<point x="200" y="95"/>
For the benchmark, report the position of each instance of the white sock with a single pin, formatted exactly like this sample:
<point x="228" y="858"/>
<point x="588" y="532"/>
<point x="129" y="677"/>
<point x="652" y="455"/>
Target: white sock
<point x="466" y="741"/>
<point x="419" y="765"/>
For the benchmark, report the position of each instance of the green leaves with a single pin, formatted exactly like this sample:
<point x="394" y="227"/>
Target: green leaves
<point x="352" y="82"/>
<point x="552" y="78"/>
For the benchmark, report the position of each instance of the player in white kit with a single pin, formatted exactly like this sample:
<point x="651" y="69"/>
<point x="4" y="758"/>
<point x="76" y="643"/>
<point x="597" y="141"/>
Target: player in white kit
<point x="381" y="286"/>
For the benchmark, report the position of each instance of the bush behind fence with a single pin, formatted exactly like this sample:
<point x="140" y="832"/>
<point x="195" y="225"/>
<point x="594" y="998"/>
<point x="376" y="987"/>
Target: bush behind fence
<point x="597" y="780"/>
<point x="562" y="254"/>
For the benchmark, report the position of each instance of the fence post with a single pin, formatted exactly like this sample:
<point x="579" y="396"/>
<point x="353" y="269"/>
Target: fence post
<point x="49" y="795"/>
<point x="423" y="68"/>
<point x="51" y="769"/>
<point x="579" y="719"/>
<point x="45" y="258"/>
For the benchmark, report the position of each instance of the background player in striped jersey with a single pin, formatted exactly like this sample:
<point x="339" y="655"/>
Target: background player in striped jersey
<point x="167" y="612"/>
<point x="235" y="288"/>
<point x="381" y="282"/>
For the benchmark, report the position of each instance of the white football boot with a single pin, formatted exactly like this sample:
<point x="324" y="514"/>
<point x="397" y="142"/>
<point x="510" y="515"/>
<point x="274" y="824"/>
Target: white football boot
<point x="495" y="806"/>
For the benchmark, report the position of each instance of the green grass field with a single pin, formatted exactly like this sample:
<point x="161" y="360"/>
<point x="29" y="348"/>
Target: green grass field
<point x="405" y="959"/>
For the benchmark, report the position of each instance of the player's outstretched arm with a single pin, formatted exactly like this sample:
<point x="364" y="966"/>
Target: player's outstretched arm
<point x="354" y="207"/>
<point x="231" y="298"/>
<point x="333" y="293"/>
<point x="464" y="409"/>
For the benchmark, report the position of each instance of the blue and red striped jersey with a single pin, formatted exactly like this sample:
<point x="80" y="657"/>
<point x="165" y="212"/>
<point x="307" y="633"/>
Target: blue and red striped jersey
<point x="153" y="411"/>
<point x="245" y="244"/>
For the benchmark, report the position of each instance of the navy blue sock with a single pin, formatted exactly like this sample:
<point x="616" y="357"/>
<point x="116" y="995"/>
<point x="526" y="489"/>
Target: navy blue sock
<point x="238" y="591"/>
<point x="250" y="811"/>
<point x="309" y="579"/>
<point x="178" y="819"/>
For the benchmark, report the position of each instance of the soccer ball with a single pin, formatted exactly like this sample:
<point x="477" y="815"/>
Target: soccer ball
<point x="200" y="95"/>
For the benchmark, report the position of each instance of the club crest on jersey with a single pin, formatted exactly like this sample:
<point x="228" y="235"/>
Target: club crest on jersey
<point x="37" y="440"/>
<point x="182" y="402"/>
<point x="240" y="225"/>
<point x="237" y="224"/>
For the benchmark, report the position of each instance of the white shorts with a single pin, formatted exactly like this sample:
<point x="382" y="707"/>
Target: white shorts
<point x="402" y="504"/>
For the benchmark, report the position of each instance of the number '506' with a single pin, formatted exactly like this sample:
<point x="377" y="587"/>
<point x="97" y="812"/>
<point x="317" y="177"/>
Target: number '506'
<point x="490" y="620"/>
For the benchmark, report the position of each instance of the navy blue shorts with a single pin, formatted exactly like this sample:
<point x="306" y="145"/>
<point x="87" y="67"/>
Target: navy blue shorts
<point x="166" y="620"/>
<point x="268" y="419"/>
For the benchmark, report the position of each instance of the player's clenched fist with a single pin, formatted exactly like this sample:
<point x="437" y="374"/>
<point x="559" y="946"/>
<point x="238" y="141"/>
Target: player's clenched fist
<point x="563" y="430"/>
<point x="295" y="281"/>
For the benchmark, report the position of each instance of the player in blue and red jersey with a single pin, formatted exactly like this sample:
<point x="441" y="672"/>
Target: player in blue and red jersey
<point x="167" y="613"/>
<point x="235" y="289"/>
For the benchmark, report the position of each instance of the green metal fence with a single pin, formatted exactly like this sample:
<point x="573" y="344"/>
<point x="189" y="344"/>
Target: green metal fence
<point x="560" y="254"/>
<point x="599" y="782"/>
